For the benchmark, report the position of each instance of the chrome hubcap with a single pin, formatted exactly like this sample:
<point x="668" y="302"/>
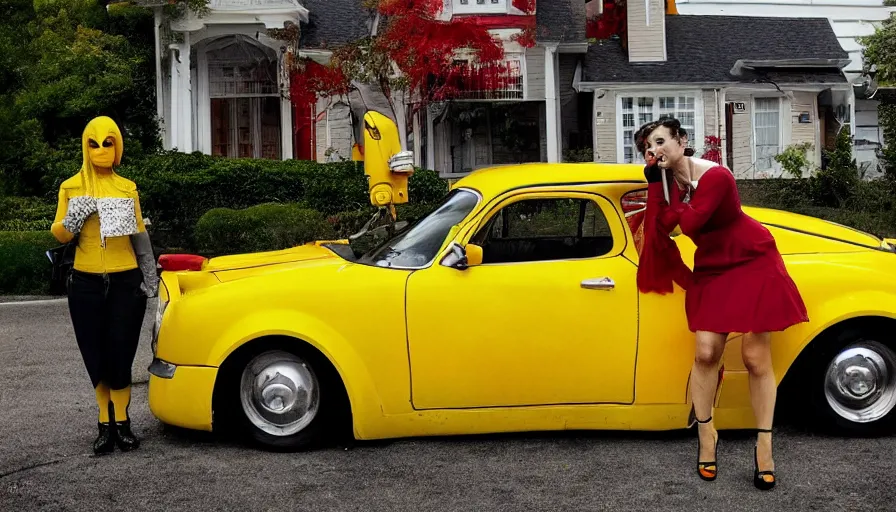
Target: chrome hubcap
<point x="860" y="383"/>
<point x="279" y="393"/>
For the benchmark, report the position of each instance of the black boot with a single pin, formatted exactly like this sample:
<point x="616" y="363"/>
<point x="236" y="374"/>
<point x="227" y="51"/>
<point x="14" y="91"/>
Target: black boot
<point x="105" y="441"/>
<point x="126" y="439"/>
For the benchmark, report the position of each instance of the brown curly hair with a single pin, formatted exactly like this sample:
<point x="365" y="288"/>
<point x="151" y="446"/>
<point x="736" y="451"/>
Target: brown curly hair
<point x="674" y="126"/>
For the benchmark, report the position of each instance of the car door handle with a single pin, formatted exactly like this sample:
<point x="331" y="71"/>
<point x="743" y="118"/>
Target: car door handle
<point x="600" y="283"/>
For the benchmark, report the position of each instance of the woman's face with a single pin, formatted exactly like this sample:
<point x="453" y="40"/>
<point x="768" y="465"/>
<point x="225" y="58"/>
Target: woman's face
<point x="664" y="148"/>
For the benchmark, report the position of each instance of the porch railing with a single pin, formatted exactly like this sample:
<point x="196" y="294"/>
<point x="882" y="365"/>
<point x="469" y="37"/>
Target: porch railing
<point x="488" y="81"/>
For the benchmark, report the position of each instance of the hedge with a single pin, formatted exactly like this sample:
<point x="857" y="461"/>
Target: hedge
<point x="264" y="227"/>
<point x="25" y="269"/>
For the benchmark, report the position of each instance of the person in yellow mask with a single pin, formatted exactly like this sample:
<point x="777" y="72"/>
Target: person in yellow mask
<point x="114" y="273"/>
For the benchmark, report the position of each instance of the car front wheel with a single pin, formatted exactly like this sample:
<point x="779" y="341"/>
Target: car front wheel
<point x="280" y="404"/>
<point x="854" y="386"/>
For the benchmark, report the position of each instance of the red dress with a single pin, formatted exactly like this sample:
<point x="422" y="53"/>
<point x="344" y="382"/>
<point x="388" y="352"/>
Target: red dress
<point x="739" y="282"/>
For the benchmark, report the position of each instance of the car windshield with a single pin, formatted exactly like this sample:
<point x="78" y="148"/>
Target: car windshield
<point x="417" y="245"/>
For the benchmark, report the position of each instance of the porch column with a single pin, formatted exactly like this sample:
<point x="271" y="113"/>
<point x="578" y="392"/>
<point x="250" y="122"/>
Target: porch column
<point x="552" y="107"/>
<point x="160" y="106"/>
<point x="430" y="141"/>
<point x="286" y="129"/>
<point x="174" y="103"/>
<point x="181" y="97"/>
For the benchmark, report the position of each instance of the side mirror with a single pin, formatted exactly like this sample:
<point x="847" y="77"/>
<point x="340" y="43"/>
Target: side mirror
<point x="461" y="258"/>
<point x="474" y="255"/>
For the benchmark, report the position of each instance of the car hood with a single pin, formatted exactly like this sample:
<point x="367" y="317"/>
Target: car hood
<point x="239" y="266"/>
<point x="812" y="226"/>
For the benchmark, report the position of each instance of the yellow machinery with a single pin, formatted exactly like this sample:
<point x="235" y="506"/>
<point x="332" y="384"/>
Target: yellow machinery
<point x="387" y="167"/>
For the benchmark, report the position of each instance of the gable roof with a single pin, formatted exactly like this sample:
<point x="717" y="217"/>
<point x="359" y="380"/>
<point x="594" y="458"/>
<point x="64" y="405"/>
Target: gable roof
<point x="560" y="21"/>
<point x="334" y="22"/>
<point x="704" y="49"/>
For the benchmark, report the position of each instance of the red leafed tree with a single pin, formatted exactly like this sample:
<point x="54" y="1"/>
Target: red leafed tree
<point x="409" y="58"/>
<point x="611" y="22"/>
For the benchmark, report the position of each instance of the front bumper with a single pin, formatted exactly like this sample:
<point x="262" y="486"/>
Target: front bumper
<point x="185" y="398"/>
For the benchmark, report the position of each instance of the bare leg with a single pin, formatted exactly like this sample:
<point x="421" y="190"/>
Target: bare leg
<point x="704" y="379"/>
<point x="757" y="354"/>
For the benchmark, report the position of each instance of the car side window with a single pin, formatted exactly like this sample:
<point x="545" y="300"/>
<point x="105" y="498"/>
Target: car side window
<point x="545" y="229"/>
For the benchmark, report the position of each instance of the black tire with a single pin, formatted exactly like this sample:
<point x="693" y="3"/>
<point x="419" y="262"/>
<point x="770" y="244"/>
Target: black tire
<point x="242" y="416"/>
<point x="840" y="411"/>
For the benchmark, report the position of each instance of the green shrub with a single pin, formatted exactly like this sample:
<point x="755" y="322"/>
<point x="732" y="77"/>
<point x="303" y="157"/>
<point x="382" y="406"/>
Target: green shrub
<point x="794" y="159"/>
<point x="264" y="227"/>
<point x="27" y="209"/>
<point x="835" y="185"/>
<point x="24" y="267"/>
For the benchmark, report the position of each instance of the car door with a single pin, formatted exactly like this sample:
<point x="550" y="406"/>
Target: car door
<point x="549" y="317"/>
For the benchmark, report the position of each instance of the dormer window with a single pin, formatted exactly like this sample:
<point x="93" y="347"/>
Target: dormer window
<point x="480" y="6"/>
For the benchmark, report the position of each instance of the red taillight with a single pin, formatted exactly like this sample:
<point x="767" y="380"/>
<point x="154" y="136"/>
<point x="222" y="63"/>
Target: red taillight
<point x="634" y="204"/>
<point x="178" y="262"/>
<point x="634" y="201"/>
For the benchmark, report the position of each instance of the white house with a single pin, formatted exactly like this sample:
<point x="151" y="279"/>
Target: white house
<point x="223" y="88"/>
<point x="759" y="84"/>
<point x="849" y="19"/>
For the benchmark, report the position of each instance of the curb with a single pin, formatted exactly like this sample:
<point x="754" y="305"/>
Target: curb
<point x="5" y="299"/>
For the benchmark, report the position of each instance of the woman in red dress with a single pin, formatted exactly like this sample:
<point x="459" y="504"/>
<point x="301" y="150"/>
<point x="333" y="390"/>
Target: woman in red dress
<point x="739" y="282"/>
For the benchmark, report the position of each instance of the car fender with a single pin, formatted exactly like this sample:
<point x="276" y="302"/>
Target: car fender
<point x="830" y="312"/>
<point x="359" y="385"/>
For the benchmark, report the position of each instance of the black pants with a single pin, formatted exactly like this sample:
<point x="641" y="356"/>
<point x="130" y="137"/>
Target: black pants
<point x="107" y="314"/>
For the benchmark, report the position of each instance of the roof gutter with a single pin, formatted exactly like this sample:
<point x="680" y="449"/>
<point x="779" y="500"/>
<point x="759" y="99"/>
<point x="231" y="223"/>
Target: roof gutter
<point x="742" y="64"/>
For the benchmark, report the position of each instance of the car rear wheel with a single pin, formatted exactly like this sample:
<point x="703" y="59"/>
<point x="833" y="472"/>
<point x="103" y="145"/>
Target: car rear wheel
<point x="279" y="399"/>
<point x="853" y="385"/>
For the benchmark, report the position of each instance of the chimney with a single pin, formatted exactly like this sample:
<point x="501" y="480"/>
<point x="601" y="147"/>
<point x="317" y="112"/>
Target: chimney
<point x="646" y="30"/>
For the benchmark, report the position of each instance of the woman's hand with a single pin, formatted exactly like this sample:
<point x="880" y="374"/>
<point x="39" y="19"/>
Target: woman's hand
<point x="652" y="172"/>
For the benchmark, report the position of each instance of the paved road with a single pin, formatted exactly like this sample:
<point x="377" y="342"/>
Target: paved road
<point x="47" y="422"/>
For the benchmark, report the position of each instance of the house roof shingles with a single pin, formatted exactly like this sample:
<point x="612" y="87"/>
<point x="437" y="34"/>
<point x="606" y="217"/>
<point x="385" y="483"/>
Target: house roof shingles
<point x="334" y="22"/>
<point x="560" y="21"/>
<point x="704" y="49"/>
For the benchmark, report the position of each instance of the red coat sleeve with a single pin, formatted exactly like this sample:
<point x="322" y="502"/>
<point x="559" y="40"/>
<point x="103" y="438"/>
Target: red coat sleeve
<point x="714" y="187"/>
<point x="660" y="261"/>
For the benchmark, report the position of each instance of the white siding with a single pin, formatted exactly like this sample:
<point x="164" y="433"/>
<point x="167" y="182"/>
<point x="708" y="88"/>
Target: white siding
<point x="646" y="33"/>
<point x="710" y="117"/>
<point x="535" y="73"/>
<point x="804" y="132"/>
<point x="605" y="126"/>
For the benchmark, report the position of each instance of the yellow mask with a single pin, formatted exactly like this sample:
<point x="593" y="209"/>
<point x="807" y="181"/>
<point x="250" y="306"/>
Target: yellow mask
<point x="102" y="146"/>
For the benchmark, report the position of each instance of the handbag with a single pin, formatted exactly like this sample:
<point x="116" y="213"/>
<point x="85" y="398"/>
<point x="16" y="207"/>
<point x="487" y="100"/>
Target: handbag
<point x="62" y="260"/>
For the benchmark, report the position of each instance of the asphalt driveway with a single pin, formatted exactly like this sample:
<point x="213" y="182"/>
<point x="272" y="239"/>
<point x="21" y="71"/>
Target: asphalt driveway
<point x="47" y="424"/>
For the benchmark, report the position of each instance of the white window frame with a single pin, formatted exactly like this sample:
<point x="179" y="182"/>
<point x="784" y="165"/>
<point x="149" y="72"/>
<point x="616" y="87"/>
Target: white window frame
<point x="695" y="139"/>
<point x="486" y="7"/>
<point x="784" y="130"/>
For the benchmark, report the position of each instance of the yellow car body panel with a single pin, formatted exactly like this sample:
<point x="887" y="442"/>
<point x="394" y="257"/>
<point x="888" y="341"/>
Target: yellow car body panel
<point x="436" y="350"/>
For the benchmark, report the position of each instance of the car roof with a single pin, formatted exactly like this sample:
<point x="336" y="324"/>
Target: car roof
<point x="494" y="180"/>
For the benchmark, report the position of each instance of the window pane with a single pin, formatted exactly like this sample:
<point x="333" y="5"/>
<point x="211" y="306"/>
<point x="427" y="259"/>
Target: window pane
<point x="270" y="128"/>
<point x="220" y="111"/>
<point x="767" y="131"/>
<point x="545" y="229"/>
<point x="627" y="104"/>
<point x="417" y="245"/>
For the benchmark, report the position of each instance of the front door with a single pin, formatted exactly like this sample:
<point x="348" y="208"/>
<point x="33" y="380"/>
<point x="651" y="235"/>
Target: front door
<point x="549" y="317"/>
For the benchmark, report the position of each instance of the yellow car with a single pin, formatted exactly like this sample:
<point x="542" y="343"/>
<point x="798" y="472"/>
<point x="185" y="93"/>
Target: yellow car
<point x="511" y="307"/>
